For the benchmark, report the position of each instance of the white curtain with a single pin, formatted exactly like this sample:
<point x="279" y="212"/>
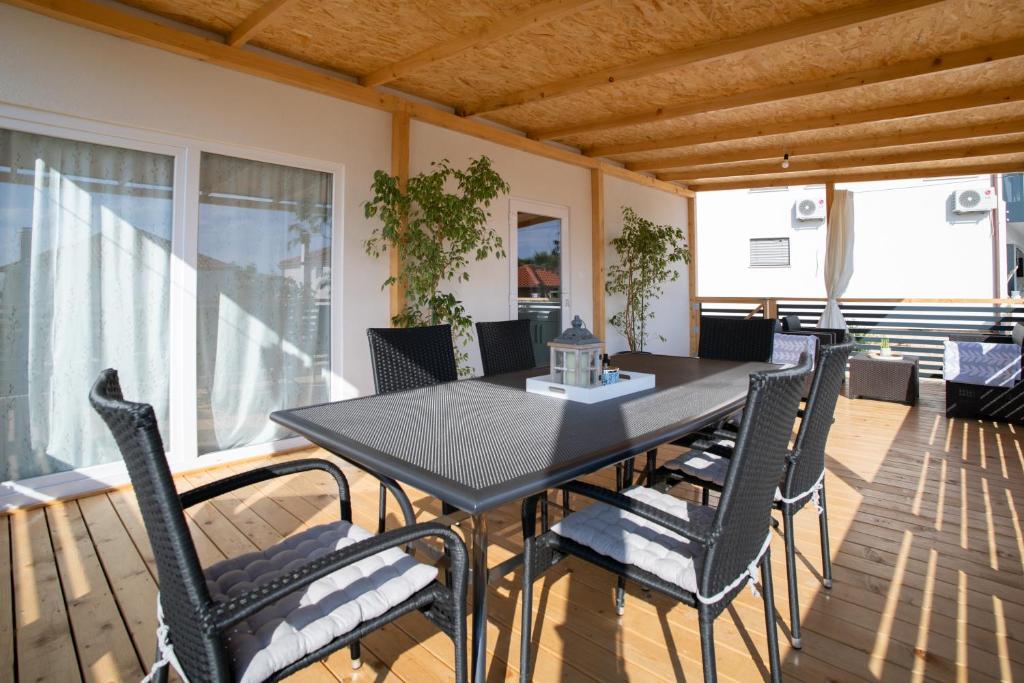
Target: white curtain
<point x="85" y="258"/>
<point x="264" y="297"/>
<point x="838" y="257"/>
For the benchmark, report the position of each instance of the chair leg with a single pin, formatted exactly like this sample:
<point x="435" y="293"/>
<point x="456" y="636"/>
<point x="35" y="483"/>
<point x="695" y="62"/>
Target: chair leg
<point x="619" y="477"/>
<point x="794" y="599"/>
<point x="707" y="644"/>
<point x="382" y="509"/>
<point x="544" y="526"/>
<point x="357" y="661"/>
<point x="620" y="596"/>
<point x="705" y="496"/>
<point x="768" y="593"/>
<point x="826" y="555"/>
<point x="160" y="675"/>
<point x="652" y="465"/>
<point x="565" y="503"/>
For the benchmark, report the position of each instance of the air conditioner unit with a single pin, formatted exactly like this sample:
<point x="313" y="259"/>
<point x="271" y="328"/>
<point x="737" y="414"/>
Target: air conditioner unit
<point x="810" y="209"/>
<point x="974" y="200"/>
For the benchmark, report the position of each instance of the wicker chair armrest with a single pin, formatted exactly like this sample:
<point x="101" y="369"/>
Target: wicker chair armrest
<point x="640" y="509"/>
<point x="230" y="612"/>
<point x="272" y="471"/>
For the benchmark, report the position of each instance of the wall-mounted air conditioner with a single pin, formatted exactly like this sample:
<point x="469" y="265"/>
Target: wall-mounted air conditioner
<point x="974" y="200"/>
<point x="810" y="209"/>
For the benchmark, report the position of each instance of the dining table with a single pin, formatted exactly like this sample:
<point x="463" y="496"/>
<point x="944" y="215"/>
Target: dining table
<point x="477" y="444"/>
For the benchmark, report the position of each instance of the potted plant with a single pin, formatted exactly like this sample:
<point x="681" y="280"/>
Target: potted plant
<point x="883" y="347"/>
<point x="437" y="223"/>
<point x="646" y="252"/>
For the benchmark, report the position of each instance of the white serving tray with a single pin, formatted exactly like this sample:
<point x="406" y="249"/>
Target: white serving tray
<point x="638" y="381"/>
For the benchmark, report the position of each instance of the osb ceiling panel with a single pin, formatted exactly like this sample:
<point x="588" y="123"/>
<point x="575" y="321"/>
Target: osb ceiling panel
<point x="907" y="169"/>
<point x="219" y="16"/>
<point x="778" y="144"/>
<point x="924" y="33"/>
<point x="759" y="119"/>
<point x="615" y="33"/>
<point x="360" y="36"/>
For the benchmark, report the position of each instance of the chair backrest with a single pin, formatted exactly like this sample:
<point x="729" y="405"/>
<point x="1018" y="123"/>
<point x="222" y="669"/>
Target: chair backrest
<point x="737" y="339"/>
<point x="411" y="357"/>
<point x="505" y="346"/>
<point x="743" y="519"/>
<point x="791" y="323"/>
<point x="807" y="460"/>
<point x="183" y="594"/>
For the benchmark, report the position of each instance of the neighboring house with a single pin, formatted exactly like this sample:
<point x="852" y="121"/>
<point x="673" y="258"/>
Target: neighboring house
<point x="538" y="282"/>
<point x="909" y="240"/>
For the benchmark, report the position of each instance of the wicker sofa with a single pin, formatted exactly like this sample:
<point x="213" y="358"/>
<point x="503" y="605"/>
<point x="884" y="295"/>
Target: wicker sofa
<point x="983" y="376"/>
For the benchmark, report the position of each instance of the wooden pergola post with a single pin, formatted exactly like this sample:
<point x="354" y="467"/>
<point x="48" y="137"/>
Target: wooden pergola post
<point x="691" y="272"/>
<point x="400" y="168"/>
<point x="599" y="325"/>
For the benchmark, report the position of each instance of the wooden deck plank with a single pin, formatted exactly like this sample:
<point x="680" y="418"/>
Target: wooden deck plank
<point x="6" y="604"/>
<point x="105" y="651"/>
<point x="46" y="651"/>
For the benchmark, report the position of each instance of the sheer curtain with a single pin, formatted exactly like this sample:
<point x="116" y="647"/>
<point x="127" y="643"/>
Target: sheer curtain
<point x="263" y="327"/>
<point x="85" y="253"/>
<point x="838" y="257"/>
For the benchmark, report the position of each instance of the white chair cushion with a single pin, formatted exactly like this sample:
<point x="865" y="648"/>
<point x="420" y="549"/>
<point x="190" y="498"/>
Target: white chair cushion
<point x="788" y="347"/>
<point x="985" y="363"/>
<point x="704" y="466"/>
<point x="309" y="619"/>
<point x="633" y="540"/>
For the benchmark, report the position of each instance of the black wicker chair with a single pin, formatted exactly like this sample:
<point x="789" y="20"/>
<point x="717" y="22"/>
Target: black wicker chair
<point x="988" y="396"/>
<point x="707" y="466"/>
<point x="737" y="339"/>
<point x="717" y="548"/>
<point x="210" y="618"/>
<point x="791" y="324"/>
<point x="505" y="346"/>
<point x="409" y="358"/>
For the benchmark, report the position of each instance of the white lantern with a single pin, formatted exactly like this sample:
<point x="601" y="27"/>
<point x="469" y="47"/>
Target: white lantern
<point x="576" y="357"/>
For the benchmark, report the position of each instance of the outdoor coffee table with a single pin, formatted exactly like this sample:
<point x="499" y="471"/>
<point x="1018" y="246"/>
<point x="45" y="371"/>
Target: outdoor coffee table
<point x="479" y="444"/>
<point x="885" y="379"/>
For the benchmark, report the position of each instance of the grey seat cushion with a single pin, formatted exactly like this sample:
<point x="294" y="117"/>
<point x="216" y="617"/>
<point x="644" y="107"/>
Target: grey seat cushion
<point x="984" y="363"/>
<point x="633" y="540"/>
<point x="309" y="619"/>
<point x="706" y="467"/>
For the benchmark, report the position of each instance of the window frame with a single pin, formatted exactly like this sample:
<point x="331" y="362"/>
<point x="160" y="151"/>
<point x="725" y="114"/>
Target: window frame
<point x="183" y="402"/>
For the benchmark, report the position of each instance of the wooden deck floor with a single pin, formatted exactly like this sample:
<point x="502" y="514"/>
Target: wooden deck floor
<point x="927" y="549"/>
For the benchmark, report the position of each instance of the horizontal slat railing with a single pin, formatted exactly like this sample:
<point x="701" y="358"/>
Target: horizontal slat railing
<point x="915" y="326"/>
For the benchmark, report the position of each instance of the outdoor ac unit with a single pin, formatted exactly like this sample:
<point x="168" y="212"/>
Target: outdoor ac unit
<point x="810" y="209"/>
<point x="974" y="200"/>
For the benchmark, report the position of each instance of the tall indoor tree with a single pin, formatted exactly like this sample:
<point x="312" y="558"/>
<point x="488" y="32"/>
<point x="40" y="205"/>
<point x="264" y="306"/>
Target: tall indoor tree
<point x="437" y="224"/>
<point x="646" y="252"/>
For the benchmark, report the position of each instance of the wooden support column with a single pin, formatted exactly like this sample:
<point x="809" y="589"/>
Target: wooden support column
<point x="691" y="271"/>
<point x="400" y="168"/>
<point x="597" y="246"/>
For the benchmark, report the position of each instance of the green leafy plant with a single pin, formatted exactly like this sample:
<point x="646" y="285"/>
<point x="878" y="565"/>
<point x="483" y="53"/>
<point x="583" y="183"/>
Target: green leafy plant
<point x="646" y="252"/>
<point x="883" y="344"/>
<point x="436" y="224"/>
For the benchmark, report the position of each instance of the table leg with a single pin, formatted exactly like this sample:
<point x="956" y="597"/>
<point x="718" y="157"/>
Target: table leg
<point x="480" y="571"/>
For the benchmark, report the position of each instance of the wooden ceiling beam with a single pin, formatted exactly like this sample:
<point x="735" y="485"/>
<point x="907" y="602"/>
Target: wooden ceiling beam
<point x="107" y="19"/>
<point x="256" y="21"/>
<point x="775" y="151"/>
<point x="797" y="166"/>
<point x="899" y="111"/>
<point x="910" y="69"/>
<point x="802" y="28"/>
<point x="853" y="176"/>
<point x="503" y="28"/>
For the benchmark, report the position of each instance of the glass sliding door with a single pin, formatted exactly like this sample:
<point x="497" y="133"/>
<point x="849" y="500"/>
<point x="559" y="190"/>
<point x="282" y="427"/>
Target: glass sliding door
<point x="85" y="254"/>
<point x="263" y="297"/>
<point x="540" y="292"/>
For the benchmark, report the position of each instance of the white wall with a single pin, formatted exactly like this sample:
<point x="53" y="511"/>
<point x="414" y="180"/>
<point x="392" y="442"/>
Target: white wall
<point x="908" y="242"/>
<point x="729" y="219"/>
<point x="671" y="312"/>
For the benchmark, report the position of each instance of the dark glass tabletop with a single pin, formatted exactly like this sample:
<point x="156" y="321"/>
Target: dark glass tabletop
<point x="480" y="443"/>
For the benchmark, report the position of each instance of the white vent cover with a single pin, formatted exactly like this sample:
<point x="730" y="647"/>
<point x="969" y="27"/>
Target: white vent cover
<point x="974" y="200"/>
<point x="771" y="252"/>
<point x="810" y="208"/>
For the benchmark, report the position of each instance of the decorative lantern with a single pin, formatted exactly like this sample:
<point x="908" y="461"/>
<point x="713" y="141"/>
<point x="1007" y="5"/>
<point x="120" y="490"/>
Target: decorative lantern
<point x="576" y="357"/>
